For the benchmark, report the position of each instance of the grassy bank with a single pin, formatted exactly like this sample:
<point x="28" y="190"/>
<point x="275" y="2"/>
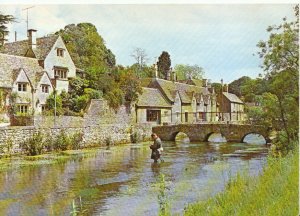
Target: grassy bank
<point x="274" y="192"/>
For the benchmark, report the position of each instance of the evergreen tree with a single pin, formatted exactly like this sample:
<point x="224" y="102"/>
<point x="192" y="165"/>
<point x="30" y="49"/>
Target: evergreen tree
<point x="164" y="64"/>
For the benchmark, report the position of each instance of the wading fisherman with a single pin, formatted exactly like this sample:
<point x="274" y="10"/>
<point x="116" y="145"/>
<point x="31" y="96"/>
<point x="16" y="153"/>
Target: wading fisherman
<point x="156" y="148"/>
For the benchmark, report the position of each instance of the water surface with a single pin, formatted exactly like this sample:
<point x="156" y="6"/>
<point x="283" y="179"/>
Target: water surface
<point x="123" y="180"/>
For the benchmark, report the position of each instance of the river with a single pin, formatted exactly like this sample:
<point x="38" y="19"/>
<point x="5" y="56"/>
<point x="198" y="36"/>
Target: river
<point x="123" y="180"/>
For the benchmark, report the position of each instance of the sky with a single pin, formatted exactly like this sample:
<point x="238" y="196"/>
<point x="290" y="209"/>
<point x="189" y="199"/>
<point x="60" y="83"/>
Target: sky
<point x="221" y="38"/>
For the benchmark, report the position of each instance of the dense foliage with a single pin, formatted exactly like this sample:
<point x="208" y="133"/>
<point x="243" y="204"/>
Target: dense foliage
<point x="4" y="20"/>
<point x="164" y="64"/>
<point x="276" y="93"/>
<point x="102" y="78"/>
<point x="87" y="48"/>
<point x="185" y="71"/>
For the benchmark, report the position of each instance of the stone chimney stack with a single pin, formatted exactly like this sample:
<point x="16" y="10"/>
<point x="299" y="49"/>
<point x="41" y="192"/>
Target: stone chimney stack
<point x="173" y="76"/>
<point x="32" y="38"/>
<point x="169" y="74"/>
<point x="204" y="81"/>
<point x="225" y="88"/>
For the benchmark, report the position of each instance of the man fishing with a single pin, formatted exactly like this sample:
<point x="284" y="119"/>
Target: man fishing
<point x="156" y="148"/>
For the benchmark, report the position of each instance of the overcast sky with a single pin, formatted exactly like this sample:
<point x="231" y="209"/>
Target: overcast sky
<point x="220" y="38"/>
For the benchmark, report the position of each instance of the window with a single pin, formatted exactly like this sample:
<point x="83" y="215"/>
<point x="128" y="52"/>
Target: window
<point x="61" y="73"/>
<point x="45" y="88"/>
<point x="23" y="108"/>
<point x="153" y="115"/>
<point x="22" y="87"/>
<point x="60" y="52"/>
<point x="43" y="106"/>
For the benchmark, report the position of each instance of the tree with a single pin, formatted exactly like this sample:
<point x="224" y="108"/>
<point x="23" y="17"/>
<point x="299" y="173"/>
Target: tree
<point x="4" y="20"/>
<point x="281" y="63"/>
<point x="184" y="72"/>
<point x="131" y="86"/>
<point x="235" y="86"/>
<point x="86" y="47"/>
<point x="141" y="59"/>
<point x="164" y="64"/>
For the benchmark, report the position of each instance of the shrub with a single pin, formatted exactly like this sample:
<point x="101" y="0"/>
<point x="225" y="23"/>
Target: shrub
<point x="76" y="140"/>
<point x="135" y="137"/>
<point x="33" y="145"/>
<point x="62" y="142"/>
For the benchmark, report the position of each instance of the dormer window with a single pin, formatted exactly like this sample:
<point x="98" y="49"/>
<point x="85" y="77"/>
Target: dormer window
<point x="22" y="87"/>
<point x="60" y="52"/>
<point x="45" y="88"/>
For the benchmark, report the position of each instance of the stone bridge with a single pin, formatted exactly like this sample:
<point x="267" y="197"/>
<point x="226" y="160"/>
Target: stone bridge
<point x="201" y="132"/>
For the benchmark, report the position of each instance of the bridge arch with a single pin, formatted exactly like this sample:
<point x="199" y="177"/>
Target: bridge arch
<point x="266" y="139"/>
<point x="221" y="138"/>
<point x="174" y="135"/>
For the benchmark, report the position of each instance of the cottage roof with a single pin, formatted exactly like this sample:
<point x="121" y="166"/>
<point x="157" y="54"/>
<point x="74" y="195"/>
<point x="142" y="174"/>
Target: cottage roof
<point x="152" y="97"/>
<point x="20" y="48"/>
<point x="232" y="97"/>
<point x="10" y="67"/>
<point x="185" y="91"/>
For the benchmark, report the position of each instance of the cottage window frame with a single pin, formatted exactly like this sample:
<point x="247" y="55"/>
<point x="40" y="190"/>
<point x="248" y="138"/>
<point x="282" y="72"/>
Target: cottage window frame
<point x="45" y="88"/>
<point x="62" y="73"/>
<point x="22" y="87"/>
<point x="60" y="52"/>
<point x="152" y="115"/>
<point x="23" y="108"/>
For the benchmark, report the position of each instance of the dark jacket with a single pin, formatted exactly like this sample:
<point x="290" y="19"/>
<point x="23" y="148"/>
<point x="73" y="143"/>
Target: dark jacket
<point x="155" y="146"/>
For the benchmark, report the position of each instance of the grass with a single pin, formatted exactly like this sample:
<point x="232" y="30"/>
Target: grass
<point x="44" y="159"/>
<point x="273" y="193"/>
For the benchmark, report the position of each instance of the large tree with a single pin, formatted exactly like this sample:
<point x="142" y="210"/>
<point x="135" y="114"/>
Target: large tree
<point x="235" y="86"/>
<point x="164" y="64"/>
<point x="87" y="48"/>
<point x="186" y="71"/>
<point x="141" y="58"/>
<point x="4" y="20"/>
<point x="280" y="54"/>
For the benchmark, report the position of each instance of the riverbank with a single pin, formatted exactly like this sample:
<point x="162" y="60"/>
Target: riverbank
<point x="274" y="192"/>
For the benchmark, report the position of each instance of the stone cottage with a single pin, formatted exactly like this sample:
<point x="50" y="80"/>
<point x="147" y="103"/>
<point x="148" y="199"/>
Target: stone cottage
<point x="51" y="54"/>
<point x="23" y="82"/>
<point x="232" y="107"/>
<point x="175" y="102"/>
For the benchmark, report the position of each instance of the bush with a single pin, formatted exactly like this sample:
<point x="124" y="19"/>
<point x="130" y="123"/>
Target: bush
<point x="62" y="142"/>
<point x="34" y="145"/>
<point x="135" y="137"/>
<point x="76" y="140"/>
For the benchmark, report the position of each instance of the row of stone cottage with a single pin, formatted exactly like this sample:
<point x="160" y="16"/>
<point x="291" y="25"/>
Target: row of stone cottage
<point x="31" y="69"/>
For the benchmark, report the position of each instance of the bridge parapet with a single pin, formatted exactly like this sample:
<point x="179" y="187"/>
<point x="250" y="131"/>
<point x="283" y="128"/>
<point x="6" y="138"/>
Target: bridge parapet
<point x="201" y="132"/>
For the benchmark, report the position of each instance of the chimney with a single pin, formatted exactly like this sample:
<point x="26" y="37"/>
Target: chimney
<point x="225" y="88"/>
<point x="173" y="76"/>
<point x="204" y="82"/>
<point x="169" y="74"/>
<point x="156" y="71"/>
<point x="15" y="36"/>
<point x="209" y="83"/>
<point x="32" y="38"/>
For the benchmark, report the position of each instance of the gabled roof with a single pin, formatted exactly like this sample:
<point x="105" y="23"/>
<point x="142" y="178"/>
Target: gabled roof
<point x="185" y="91"/>
<point x="152" y="97"/>
<point x="21" y="48"/>
<point x="232" y="97"/>
<point x="10" y="67"/>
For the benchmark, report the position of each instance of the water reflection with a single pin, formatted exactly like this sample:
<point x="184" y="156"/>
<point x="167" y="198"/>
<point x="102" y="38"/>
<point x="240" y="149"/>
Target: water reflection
<point x="122" y="180"/>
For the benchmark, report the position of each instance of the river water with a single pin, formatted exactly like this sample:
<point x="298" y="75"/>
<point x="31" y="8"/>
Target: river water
<point x="123" y="180"/>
